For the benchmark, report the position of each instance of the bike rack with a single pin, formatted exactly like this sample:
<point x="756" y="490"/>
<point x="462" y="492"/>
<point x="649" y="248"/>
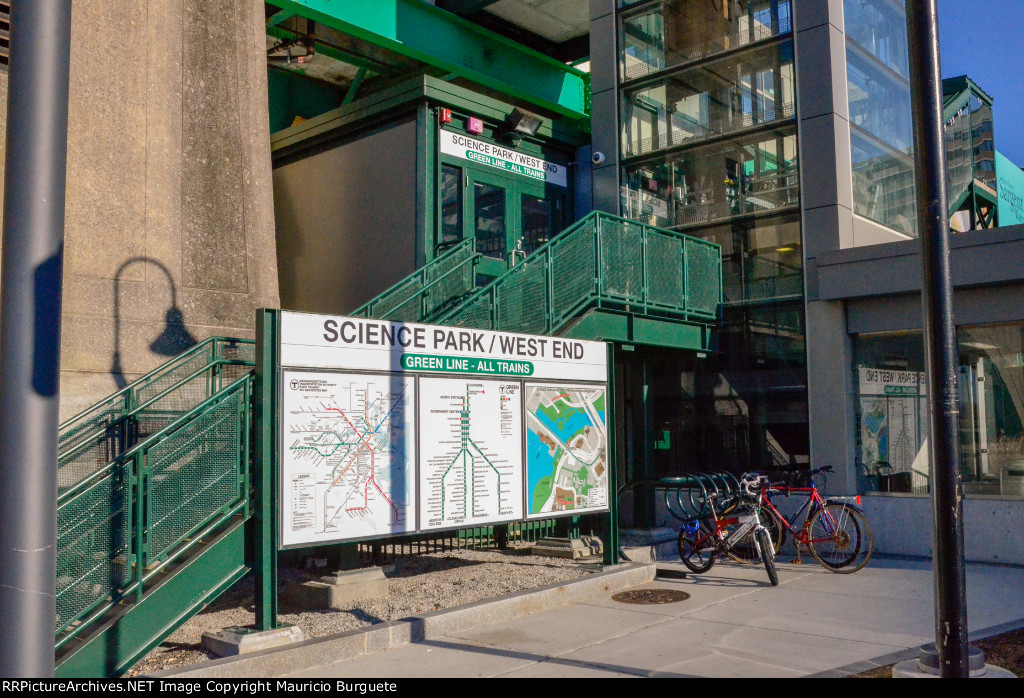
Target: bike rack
<point x="696" y="487"/>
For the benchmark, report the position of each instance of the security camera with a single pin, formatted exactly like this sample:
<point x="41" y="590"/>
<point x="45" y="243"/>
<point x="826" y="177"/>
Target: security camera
<point x="598" y="158"/>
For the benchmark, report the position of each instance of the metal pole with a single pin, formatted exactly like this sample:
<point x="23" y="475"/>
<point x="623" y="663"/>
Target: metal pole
<point x="30" y="303"/>
<point x="939" y="339"/>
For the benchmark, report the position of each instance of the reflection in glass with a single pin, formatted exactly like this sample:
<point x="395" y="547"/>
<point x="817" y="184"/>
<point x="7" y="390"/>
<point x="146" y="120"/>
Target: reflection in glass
<point x="677" y="32"/>
<point x="892" y="411"/>
<point x="489" y="216"/>
<point x="536" y="222"/>
<point x="720" y="98"/>
<point x="757" y="174"/>
<point x="761" y="259"/>
<point x="879" y="27"/>
<point x="451" y="205"/>
<point x="883" y="183"/>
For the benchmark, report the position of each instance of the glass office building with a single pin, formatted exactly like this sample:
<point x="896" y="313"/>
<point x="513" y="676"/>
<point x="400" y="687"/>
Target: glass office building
<point x="708" y="145"/>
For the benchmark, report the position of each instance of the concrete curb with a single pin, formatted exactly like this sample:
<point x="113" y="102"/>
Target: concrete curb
<point x="910" y="653"/>
<point x="428" y="626"/>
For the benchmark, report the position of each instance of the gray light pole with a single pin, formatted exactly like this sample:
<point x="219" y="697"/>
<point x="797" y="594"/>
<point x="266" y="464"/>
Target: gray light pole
<point x="30" y="302"/>
<point x="939" y="340"/>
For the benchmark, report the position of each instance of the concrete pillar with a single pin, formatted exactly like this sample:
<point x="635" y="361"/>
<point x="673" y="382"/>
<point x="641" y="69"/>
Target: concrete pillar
<point x="169" y="200"/>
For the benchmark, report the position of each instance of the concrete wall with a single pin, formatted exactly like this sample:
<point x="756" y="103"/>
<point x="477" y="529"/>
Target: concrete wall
<point x="169" y="203"/>
<point x="992" y="527"/>
<point x="346" y="219"/>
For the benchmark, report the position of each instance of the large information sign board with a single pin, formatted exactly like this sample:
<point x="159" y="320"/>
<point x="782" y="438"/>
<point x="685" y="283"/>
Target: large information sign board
<point x="389" y="428"/>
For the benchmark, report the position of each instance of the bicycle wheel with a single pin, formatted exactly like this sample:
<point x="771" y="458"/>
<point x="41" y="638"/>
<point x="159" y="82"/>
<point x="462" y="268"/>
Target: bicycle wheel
<point x="764" y="547"/>
<point x="840" y="538"/>
<point x="697" y="558"/>
<point x="745" y="552"/>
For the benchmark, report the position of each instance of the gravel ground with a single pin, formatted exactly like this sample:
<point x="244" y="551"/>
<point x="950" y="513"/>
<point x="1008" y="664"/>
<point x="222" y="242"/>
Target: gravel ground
<point x="418" y="584"/>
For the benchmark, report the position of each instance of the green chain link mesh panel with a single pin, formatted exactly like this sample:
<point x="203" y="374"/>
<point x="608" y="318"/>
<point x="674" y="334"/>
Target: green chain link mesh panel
<point x="454" y="283"/>
<point x="573" y="267"/>
<point x="665" y="270"/>
<point x="703" y="278"/>
<point x="194" y="474"/>
<point x="401" y="303"/>
<point x="474" y="315"/>
<point x="92" y="545"/>
<point x="622" y="260"/>
<point x="522" y="302"/>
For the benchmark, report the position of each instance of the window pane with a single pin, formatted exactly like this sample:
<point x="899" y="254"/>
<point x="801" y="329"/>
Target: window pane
<point x="883" y="183"/>
<point x="489" y="207"/>
<point x="536" y="222"/>
<point x="451" y="204"/>
<point x="880" y="28"/>
<point x="720" y="98"/>
<point x="677" y="32"/>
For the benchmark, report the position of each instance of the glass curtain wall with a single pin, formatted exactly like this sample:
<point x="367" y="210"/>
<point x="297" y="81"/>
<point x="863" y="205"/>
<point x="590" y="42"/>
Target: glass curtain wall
<point x="710" y="148"/>
<point x="892" y="411"/>
<point x="881" y="135"/>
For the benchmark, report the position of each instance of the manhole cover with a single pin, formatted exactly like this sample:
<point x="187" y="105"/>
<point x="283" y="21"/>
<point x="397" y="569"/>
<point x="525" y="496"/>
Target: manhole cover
<point x="651" y="596"/>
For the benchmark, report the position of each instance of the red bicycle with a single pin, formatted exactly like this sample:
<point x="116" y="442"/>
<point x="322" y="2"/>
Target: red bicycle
<point x="834" y="530"/>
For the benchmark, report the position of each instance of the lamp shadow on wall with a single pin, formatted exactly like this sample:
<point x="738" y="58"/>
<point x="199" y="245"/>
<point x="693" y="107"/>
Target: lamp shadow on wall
<point x="175" y="337"/>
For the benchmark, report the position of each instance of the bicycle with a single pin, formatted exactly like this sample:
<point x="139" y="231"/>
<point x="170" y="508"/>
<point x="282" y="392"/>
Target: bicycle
<point x="834" y="531"/>
<point x="703" y="538"/>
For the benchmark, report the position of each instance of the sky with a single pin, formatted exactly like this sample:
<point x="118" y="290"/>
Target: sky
<point x="985" y="40"/>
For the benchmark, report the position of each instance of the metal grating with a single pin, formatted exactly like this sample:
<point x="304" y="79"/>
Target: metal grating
<point x="193" y="475"/>
<point x="522" y="299"/>
<point x="703" y="277"/>
<point x="93" y="531"/>
<point x="622" y="260"/>
<point x="665" y="270"/>
<point x="574" y="270"/>
<point x="474" y="315"/>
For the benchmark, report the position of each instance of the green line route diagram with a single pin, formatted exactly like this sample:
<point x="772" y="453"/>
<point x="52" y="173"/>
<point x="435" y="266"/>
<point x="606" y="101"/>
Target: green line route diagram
<point x="347" y="455"/>
<point x="471" y="466"/>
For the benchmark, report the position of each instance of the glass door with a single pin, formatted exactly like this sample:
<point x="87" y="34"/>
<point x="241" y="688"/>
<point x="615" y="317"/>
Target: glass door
<point x="492" y="219"/>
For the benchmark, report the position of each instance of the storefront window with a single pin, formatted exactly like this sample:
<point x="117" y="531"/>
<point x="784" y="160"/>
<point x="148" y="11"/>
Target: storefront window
<point x="893" y="417"/>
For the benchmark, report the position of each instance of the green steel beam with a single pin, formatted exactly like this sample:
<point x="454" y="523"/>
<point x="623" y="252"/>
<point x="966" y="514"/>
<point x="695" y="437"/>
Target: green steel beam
<point x="464" y="7"/>
<point x="336" y="53"/>
<point x="423" y="32"/>
<point x="621" y="327"/>
<point x="144" y="625"/>
<point x="277" y="18"/>
<point x="354" y="87"/>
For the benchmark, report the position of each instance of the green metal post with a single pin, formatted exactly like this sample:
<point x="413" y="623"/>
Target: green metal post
<point x="264" y="519"/>
<point x="611" y="542"/>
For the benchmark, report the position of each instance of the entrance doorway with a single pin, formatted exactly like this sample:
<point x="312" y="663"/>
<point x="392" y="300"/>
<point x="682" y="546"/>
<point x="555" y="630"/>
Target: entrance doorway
<point x="508" y="216"/>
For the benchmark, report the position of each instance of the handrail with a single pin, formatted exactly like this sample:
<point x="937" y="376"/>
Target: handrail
<point x="149" y="377"/>
<point x="603" y="291"/>
<point x="153" y="438"/>
<point x="135" y="463"/>
<point x="86" y="440"/>
<point x="422" y="275"/>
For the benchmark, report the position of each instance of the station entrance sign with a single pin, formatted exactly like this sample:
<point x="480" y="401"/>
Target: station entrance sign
<point x="390" y="428"/>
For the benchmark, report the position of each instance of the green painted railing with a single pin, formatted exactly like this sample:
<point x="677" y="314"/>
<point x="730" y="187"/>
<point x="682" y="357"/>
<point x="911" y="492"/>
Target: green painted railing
<point x="92" y="439"/>
<point x="601" y="261"/>
<point x="433" y="288"/>
<point x="122" y="527"/>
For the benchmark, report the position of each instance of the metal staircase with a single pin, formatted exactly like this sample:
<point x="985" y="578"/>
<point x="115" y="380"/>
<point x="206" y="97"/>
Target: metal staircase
<point x="153" y="494"/>
<point x="155" y="481"/>
<point x="605" y="277"/>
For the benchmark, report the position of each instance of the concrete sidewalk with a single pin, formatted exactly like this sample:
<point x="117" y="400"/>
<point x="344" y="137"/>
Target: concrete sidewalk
<point x="734" y="624"/>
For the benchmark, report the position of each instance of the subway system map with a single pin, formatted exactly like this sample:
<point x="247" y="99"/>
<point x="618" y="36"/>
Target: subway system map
<point x="348" y="456"/>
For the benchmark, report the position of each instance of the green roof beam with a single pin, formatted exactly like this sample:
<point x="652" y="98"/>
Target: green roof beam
<point x="423" y="32"/>
<point x="277" y="18"/>
<point x="336" y="53"/>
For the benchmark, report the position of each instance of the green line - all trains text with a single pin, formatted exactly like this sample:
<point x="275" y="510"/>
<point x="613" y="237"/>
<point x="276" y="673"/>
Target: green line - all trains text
<point x="465" y="364"/>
